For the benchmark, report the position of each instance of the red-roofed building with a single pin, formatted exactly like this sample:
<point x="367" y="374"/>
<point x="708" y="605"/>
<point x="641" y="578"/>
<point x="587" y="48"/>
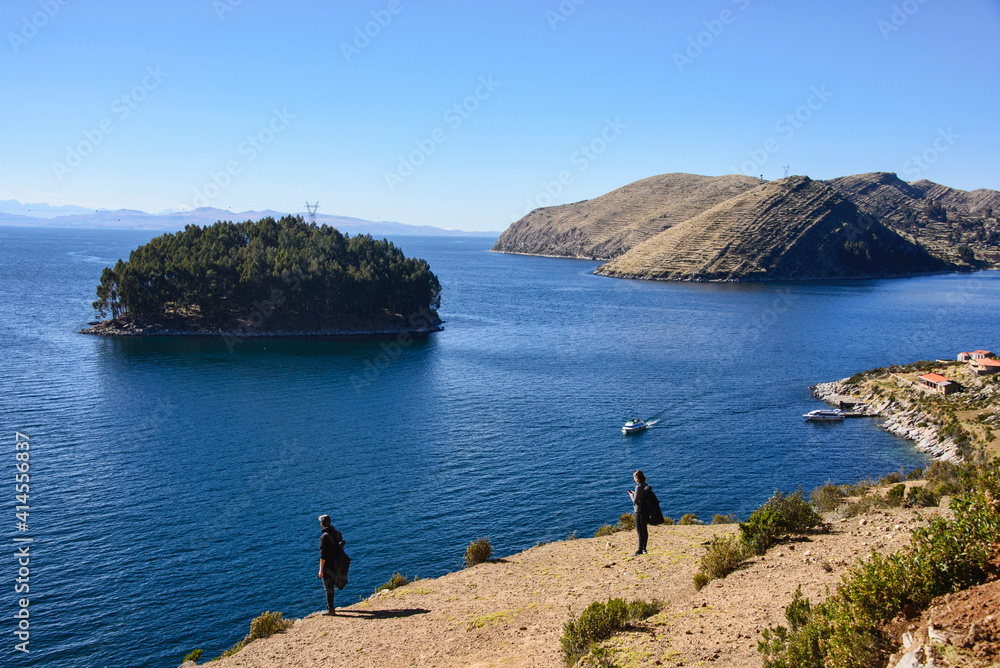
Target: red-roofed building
<point x="975" y="355"/>
<point x="984" y="366"/>
<point x="938" y="383"/>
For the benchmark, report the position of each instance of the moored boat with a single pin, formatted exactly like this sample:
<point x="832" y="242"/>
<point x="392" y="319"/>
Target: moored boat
<point x="824" y="415"/>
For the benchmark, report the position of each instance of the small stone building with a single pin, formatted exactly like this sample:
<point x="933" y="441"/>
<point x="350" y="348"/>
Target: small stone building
<point x="937" y="383"/>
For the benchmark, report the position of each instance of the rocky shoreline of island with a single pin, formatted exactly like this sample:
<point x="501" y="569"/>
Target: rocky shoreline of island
<point x="421" y="325"/>
<point x="903" y="422"/>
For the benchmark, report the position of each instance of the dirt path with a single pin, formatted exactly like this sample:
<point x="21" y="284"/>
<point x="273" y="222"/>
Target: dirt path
<point x="510" y="612"/>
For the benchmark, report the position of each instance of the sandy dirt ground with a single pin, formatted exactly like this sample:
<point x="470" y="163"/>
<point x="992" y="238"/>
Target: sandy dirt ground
<point x="510" y="612"/>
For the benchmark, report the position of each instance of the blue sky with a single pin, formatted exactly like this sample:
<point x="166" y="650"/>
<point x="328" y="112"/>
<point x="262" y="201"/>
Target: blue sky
<point x="465" y="115"/>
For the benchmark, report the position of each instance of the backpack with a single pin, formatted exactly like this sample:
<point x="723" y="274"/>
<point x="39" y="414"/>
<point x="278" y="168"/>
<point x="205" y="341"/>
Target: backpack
<point x="653" y="513"/>
<point x="340" y="574"/>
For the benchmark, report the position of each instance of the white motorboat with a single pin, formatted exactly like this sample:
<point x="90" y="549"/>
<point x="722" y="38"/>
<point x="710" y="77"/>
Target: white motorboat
<point x="634" y="427"/>
<point x="824" y="415"/>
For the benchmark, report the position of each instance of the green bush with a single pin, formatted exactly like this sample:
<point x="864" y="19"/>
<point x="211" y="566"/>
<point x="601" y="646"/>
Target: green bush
<point x="688" y="519"/>
<point x="921" y="496"/>
<point x="826" y="498"/>
<point x="700" y="580"/>
<point x="890" y="478"/>
<point x="193" y="656"/>
<point x="779" y="516"/>
<point x="723" y="556"/>
<point x="949" y="554"/>
<point x="598" y="622"/>
<point x="478" y="551"/>
<point x="625" y="523"/>
<point x="668" y="520"/>
<point x="264" y="626"/>
<point x="606" y="530"/>
<point x="915" y="474"/>
<point x="397" y="580"/>
<point x="894" y="497"/>
<point x="724" y="519"/>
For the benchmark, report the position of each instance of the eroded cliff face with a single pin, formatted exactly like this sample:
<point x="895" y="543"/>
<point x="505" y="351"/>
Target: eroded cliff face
<point x="791" y="229"/>
<point x="609" y="225"/>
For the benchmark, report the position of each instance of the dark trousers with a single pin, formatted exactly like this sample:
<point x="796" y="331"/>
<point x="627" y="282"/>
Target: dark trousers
<point x="640" y="528"/>
<point x="330" y="587"/>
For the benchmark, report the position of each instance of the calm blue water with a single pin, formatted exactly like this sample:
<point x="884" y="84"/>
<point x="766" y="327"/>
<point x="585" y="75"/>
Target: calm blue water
<point x="175" y="484"/>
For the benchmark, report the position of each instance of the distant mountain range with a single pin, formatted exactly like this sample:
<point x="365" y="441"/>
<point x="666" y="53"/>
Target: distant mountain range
<point x="13" y="212"/>
<point x="738" y="228"/>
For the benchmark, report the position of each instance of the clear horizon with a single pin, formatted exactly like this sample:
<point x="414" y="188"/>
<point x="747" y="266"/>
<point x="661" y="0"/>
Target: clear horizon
<point x="468" y="117"/>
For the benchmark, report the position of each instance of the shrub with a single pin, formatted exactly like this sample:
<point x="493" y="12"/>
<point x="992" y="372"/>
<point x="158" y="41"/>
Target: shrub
<point x="779" y="516"/>
<point x="724" y="519"/>
<point x="700" y="580"/>
<point x="724" y="555"/>
<point x="625" y="523"/>
<point x="264" y="626"/>
<point x="890" y="478"/>
<point x="397" y="580"/>
<point x="826" y="498"/>
<point x="689" y="518"/>
<point x="894" y="497"/>
<point x="915" y="474"/>
<point x="478" y="551"/>
<point x="921" y="496"/>
<point x="862" y="506"/>
<point x="600" y="621"/>
<point x="668" y="521"/>
<point x="194" y="656"/>
<point x="948" y="555"/>
<point x="606" y="530"/>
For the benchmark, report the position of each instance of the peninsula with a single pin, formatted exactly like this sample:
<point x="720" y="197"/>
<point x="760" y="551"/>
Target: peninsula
<point x="950" y="409"/>
<point x="739" y="228"/>
<point x="266" y="278"/>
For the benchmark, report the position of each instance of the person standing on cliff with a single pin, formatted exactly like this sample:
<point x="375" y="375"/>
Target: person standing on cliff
<point x="331" y="545"/>
<point x="639" y="506"/>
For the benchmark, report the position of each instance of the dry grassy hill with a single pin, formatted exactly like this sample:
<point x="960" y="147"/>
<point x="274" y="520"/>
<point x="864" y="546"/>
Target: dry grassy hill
<point x="791" y="229"/>
<point x="609" y="225"/>
<point x="943" y="220"/>
<point x="959" y="228"/>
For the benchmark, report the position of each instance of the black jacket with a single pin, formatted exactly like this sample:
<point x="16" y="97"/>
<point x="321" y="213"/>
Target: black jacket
<point x="331" y="545"/>
<point x="639" y="500"/>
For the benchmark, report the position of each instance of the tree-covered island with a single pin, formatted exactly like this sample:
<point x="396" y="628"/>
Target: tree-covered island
<point x="267" y="277"/>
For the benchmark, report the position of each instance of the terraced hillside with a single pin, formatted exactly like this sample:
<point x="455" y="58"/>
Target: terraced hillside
<point x="609" y="225"/>
<point x="790" y="229"/>
<point x="958" y="226"/>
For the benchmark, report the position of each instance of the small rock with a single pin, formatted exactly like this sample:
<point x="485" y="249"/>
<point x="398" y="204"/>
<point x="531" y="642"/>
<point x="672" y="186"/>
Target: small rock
<point x="807" y="553"/>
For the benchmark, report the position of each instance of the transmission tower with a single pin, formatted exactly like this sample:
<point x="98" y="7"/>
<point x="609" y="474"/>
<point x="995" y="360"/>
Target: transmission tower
<point x="311" y="208"/>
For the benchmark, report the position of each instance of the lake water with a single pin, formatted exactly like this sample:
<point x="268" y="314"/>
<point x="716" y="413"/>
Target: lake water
<point x="175" y="483"/>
